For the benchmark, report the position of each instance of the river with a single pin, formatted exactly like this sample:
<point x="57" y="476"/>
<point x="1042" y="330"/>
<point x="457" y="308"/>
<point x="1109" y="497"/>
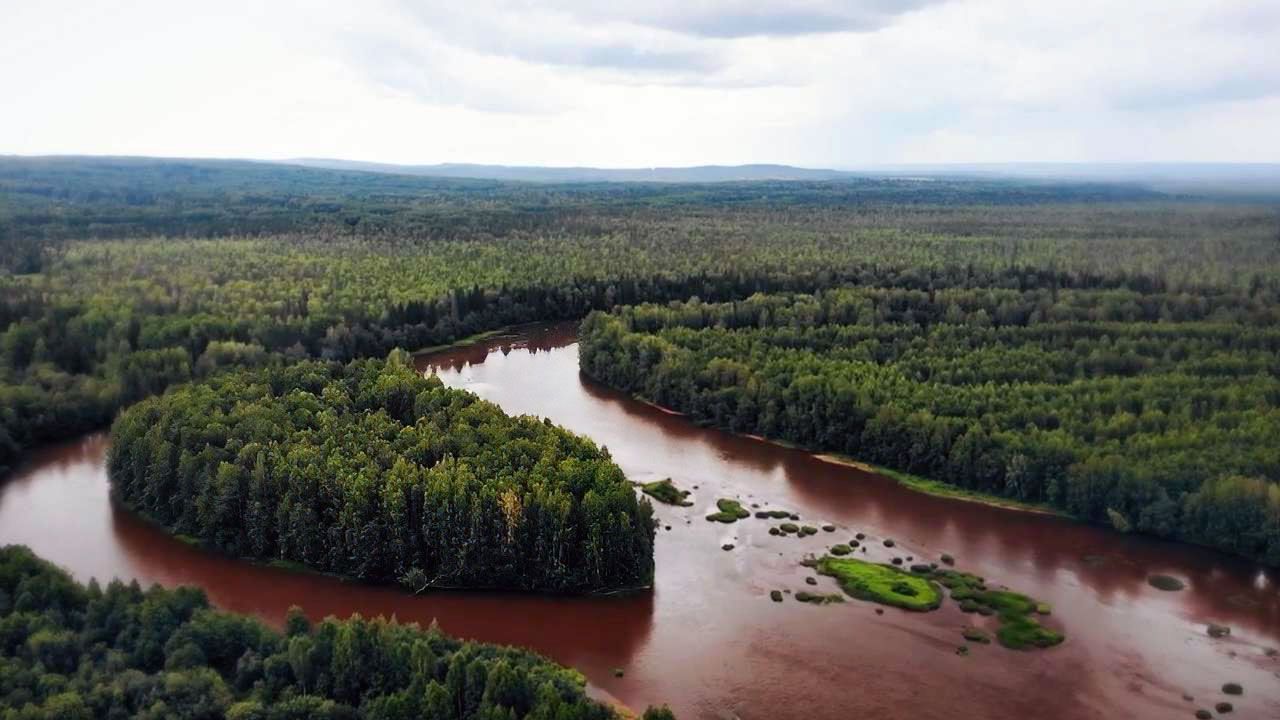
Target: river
<point x="708" y="640"/>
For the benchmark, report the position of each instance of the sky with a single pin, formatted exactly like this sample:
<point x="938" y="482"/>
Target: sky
<point x="645" y="83"/>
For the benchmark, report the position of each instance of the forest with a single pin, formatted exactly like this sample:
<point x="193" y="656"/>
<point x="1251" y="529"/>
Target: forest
<point x="114" y="290"/>
<point x="372" y="471"/>
<point x="1149" y="409"/>
<point x="75" y="652"/>
<point x="48" y="199"/>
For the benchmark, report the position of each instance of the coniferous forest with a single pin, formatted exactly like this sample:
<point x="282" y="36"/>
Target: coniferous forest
<point x="1149" y="410"/>
<point x="506" y="360"/>
<point x="93" y="322"/>
<point x="1116" y="314"/>
<point x="71" y="652"/>
<point x="372" y="471"/>
<point x="1104" y="350"/>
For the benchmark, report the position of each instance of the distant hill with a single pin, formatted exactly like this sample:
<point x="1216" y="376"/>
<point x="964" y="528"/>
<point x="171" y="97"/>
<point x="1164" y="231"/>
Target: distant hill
<point x="697" y="174"/>
<point x="54" y="198"/>
<point x="1239" y="181"/>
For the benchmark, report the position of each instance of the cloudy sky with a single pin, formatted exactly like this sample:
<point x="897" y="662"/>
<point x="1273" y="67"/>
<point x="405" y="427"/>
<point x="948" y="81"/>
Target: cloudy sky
<point x="647" y="82"/>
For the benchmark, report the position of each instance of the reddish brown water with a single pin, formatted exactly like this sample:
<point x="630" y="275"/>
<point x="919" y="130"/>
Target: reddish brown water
<point x="708" y="640"/>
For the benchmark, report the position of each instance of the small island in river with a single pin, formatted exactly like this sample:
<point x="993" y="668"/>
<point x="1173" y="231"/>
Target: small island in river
<point x="370" y="470"/>
<point x="920" y="590"/>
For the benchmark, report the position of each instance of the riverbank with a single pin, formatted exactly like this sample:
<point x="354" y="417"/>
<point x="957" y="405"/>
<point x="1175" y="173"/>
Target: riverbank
<point x="301" y="568"/>
<point x="462" y="342"/>
<point x="917" y="483"/>
<point x="940" y="489"/>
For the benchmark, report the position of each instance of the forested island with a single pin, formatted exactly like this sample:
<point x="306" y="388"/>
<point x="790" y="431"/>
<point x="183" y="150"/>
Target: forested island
<point x="75" y="652"/>
<point x="372" y="471"/>
<point x="1147" y="408"/>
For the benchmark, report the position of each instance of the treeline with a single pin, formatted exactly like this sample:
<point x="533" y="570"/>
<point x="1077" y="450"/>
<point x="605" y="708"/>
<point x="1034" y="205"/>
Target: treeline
<point x="112" y="322"/>
<point x="373" y="471"/>
<point x="108" y="322"/>
<point x="1149" y="410"/>
<point x="71" y="652"/>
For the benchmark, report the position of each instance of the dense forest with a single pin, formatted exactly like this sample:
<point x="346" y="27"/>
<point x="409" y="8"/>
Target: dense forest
<point x="1151" y="409"/>
<point x="71" y="652"/>
<point x="373" y="471"/>
<point x="46" y="199"/>
<point x="107" y="298"/>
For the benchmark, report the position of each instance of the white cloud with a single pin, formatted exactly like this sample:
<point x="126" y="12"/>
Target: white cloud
<point x="748" y="18"/>
<point x="645" y="83"/>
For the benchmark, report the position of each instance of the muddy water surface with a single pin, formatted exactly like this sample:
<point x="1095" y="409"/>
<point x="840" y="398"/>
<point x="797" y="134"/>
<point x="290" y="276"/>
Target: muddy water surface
<point x="707" y="639"/>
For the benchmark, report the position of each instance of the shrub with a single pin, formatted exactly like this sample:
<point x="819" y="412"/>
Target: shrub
<point x="665" y="491"/>
<point x="730" y="511"/>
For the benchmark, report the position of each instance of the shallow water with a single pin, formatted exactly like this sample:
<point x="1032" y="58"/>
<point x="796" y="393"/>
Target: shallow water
<point x="707" y="639"/>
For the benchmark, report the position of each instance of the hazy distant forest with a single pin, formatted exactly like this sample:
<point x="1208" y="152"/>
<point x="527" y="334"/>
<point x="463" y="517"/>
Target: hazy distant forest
<point x="1008" y="325"/>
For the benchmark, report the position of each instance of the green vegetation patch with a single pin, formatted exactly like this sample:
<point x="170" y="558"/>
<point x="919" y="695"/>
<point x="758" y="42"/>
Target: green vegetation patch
<point x="882" y="584"/>
<point x="1018" y="629"/>
<point x="730" y="511"/>
<point x="665" y="491"/>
